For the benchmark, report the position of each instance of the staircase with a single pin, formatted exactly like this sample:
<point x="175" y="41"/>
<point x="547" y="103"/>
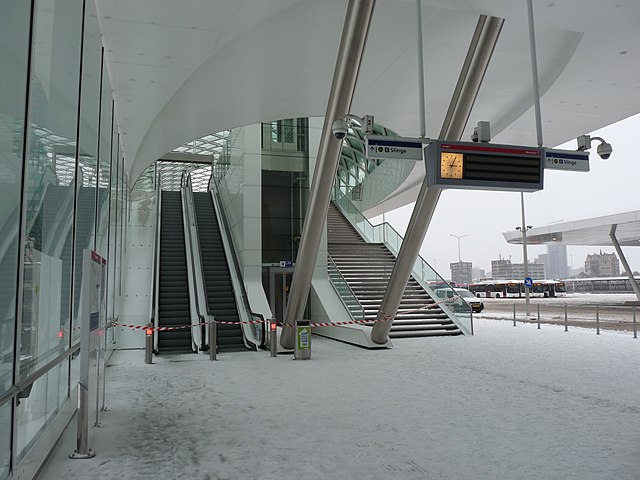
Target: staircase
<point x="221" y="300"/>
<point x="173" y="297"/>
<point x="367" y="268"/>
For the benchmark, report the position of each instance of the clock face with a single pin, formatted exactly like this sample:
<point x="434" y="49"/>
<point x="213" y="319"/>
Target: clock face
<point x="451" y="165"/>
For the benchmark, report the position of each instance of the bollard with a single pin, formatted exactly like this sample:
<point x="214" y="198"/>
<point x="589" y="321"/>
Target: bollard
<point x="302" y="347"/>
<point x="148" y="344"/>
<point x="597" y="319"/>
<point x="566" y="323"/>
<point x="213" y="339"/>
<point x="538" y="316"/>
<point x="273" y="337"/>
<point x="635" y="327"/>
<point x="514" y="314"/>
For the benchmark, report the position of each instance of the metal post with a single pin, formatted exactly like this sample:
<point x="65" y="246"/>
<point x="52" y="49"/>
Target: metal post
<point x="421" y="105"/>
<point x="345" y="75"/>
<point x="525" y="260"/>
<point x="213" y="339"/>
<point x="635" y="326"/>
<point x="273" y="337"/>
<point x="597" y="319"/>
<point x="566" y="322"/>
<point x="514" y="314"/>
<point x="538" y="316"/>
<point x="148" y="344"/>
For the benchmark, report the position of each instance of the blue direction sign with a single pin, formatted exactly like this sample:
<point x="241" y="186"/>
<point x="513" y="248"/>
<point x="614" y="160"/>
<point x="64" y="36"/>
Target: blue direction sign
<point x="528" y="282"/>
<point x="571" y="160"/>
<point x="399" y="148"/>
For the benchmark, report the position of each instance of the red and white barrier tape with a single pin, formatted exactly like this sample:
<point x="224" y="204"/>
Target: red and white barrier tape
<point x="385" y="318"/>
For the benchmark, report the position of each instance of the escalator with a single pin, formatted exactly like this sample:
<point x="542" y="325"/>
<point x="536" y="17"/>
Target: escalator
<point x="173" y="299"/>
<point x="220" y="296"/>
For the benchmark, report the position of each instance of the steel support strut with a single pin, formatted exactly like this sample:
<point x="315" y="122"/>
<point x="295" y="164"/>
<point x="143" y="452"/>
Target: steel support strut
<point x="475" y="65"/>
<point x="345" y="75"/>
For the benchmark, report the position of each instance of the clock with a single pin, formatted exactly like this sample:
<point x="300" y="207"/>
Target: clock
<point x="451" y="165"/>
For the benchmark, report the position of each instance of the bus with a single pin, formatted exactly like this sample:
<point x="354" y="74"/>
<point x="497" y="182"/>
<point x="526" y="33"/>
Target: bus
<point x="515" y="289"/>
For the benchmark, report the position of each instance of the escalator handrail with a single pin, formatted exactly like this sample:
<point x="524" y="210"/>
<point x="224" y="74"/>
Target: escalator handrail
<point x="155" y="266"/>
<point x="192" y="244"/>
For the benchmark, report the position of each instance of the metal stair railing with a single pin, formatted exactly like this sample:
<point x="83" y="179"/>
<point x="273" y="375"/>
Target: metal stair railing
<point x="455" y="307"/>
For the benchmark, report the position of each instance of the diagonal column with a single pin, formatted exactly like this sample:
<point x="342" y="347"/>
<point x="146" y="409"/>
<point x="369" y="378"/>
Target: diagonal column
<point x="475" y="65"/>
<point x="623" y="259"/>
<point x="345" y="75"/>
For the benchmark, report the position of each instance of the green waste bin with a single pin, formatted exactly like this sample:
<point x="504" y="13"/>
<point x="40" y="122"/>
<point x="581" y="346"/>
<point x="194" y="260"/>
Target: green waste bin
<point x="302" y="348"/>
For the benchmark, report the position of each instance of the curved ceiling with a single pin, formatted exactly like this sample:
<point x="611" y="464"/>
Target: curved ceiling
<point x="180" y="70"/>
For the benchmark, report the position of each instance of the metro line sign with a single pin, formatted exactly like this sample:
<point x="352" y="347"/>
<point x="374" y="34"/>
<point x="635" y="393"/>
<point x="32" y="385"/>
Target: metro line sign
<point x="398" y="148"/>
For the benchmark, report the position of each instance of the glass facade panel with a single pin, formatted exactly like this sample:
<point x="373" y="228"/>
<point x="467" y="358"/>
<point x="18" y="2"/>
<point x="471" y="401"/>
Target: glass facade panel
<point x="14" y="50"/>
<point x="106" y="128"/>
<point x="50" y="187"/>
<point x="5" y="439"/>
<point x="90" y="96"/>
<point x="36" y="412"/>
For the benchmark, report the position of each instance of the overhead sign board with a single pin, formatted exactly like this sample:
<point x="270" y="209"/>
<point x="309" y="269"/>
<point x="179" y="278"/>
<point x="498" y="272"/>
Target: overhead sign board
<point x="484" y="166"/>
<point x="570" y="160"/>
<point x="398" y="148"/>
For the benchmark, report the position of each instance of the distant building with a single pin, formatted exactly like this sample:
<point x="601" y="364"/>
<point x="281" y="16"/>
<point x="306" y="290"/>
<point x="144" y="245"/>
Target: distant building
<point x="555" y="261"/>
<point x="478" y="273"/>
<point x="535" y="271"/>
<point x="602" y="265"/>
<point x="461" y="272"/>
<point x="502" y="269"/>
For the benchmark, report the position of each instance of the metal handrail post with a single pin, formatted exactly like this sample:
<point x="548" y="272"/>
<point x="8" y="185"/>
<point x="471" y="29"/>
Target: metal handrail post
<point x="635" y="325"/>
<point x="538" y="316"/>
<point x="213" y="338"/>
<point x="597" y="319"/>
<point x="514" y="314"/>
<point x="566" y="319"/>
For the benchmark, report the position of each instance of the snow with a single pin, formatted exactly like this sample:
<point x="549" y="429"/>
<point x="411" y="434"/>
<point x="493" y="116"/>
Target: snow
<point x="508" y="403"/>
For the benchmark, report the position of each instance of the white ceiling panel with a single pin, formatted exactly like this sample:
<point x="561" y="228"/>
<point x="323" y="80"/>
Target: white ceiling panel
<point x="231" y="62"/>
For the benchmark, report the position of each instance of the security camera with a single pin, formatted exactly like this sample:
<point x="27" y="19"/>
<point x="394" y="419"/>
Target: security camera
<point x="604" y="150"/>
<point x="340" y="128"/>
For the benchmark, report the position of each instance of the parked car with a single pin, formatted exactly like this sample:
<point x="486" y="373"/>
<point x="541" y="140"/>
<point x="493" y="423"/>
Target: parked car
<point x="475" y="303"/>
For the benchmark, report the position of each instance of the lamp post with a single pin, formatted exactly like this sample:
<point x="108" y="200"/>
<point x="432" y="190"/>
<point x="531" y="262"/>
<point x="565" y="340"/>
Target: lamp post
<point x="524" y="229"/>
<point x="458" y="237"/>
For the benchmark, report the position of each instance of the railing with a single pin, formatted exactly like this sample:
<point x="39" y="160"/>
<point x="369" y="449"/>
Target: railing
<point x="344" y="291"/>
<point x="455" y="307"/>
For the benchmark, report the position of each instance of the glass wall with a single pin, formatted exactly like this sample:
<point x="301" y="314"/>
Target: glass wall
<point x="90" y="97"/>
<point x="14" y="52"/>
<point x="68" y="179"/>
<point x="52" y="143"/>
<point x="285" y="187"/>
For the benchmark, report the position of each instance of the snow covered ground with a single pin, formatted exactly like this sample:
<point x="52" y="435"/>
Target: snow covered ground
<point x="509" y="403"/>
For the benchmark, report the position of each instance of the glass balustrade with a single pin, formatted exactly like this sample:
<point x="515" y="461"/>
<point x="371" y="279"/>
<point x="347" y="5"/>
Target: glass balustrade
<point x="344" y="291"/>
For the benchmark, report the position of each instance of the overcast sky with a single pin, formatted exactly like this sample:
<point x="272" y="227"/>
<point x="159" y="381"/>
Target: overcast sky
<point x="612" y="186"/>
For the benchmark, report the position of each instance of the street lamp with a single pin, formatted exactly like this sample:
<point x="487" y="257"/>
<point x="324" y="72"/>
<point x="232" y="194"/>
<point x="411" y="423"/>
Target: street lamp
<point x="524" y="229"/>
<point x="458" y="237"/>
